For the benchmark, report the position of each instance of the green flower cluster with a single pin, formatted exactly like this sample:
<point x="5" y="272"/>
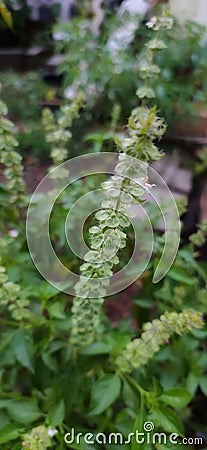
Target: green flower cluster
<point x="179" y="294"/>
<point x="37" y="439"/>
<point x="155" y="334"/>
<point x="198" y="239"/>
<point x="10" y="297"/>
<point x="201" y="299"/>
<point x="144" y="127"/>
<point x="11" y="160"/>
<point x="156" y="23"/>
<point x="108" y="236"/>
<point x="57" y="130"/>
<point x="147" y="69"/>
<point x="182" y="204"/>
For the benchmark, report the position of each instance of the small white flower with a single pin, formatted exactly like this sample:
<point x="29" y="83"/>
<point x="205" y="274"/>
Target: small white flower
<point x="13" y="233"/>
<point x="151" y="22"/>
<point x="52" y="432"/>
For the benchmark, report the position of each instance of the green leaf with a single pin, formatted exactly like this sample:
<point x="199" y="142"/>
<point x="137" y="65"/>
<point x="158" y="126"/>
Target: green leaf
<point x="188" y="258"/>
<point x="46" y="291"/>
<point x="192" y="382"/>
<point x="7" y="357"/>
<point x="131" y="400"/>
<point x="203" y="384"/>
<point x="18" y="446"/>
<point x="144" y="303"/>
<point x="138" y="424"/>
<point x="50" y="361"/>
<point x="82" y="446"/>
<point x="4" y="402"/>
<point x="157" y="387"/>
<point x="23" y="411"/>
<point x="104" y="393"/>
<point x="167" y="419"/>
<point x="199" y="334"/>
<point x="23" y="348"/>
<point x="4" y="419"/>
<point x="56" y="413"/>
<point x="97" y="348"/>
<point x="56" y="310"/>
<point x="98" y="136"/>
<point x="9" y="433"/>
<point x="178" y="273"/>
<point x="177" y="397"/>
<point x="7" y="17"/>
<point x="54" y="346"/>
<point x="5" y="340"/>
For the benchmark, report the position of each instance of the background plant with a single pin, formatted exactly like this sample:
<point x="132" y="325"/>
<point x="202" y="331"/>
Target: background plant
<point x="104" y="77"/>
<point x="24" y="94"/>
<point x="51" y="382"/>
<point x="182" y="85"/>
<point x="108" y="77"/>
<point x="16" y="24"/>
